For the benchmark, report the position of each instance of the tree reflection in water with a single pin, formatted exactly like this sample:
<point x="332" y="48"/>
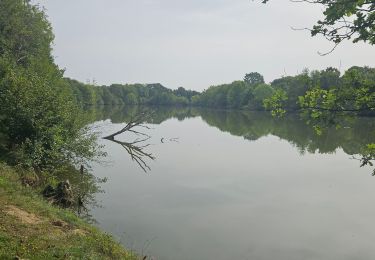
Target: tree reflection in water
<point x="355" y="135"/>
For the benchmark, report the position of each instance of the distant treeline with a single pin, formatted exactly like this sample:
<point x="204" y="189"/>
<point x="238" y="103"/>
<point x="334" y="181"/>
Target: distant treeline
<point x="325" y="89"/>
<point x="130" y="94"/>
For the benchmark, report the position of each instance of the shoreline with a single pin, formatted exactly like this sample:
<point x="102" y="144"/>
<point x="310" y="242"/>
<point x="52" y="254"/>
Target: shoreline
<point x="32" y="228"/>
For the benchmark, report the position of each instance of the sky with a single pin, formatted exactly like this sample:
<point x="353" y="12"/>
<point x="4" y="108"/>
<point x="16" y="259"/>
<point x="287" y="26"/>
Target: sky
<point x="191" y="43"/>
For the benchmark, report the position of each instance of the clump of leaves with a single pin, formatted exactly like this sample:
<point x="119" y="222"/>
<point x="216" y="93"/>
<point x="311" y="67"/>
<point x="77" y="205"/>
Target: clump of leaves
<point x="276" y="103"/>
<point x="368" y="156"/>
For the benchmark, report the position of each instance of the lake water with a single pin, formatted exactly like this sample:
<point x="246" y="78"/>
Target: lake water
<point x="238" y="185"/>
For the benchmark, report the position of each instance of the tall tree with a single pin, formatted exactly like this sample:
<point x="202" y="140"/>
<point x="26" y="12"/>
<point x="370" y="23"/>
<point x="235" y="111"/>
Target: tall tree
<point x="253" y="78"/>
<point x="39" y="123"/>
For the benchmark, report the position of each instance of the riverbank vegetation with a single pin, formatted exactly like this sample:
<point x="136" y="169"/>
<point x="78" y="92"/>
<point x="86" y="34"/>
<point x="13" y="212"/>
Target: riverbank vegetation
<point x="129" y="94"/>
<point x="43" y="140"/>
<point x="353" y="91"/>
<point x="41" y="126"/>
<point x="31" y="228"/>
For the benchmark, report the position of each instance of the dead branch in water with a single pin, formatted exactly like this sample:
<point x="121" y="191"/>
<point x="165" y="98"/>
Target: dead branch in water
<point x="137" y="121"/>
<point x="135" y="149"/>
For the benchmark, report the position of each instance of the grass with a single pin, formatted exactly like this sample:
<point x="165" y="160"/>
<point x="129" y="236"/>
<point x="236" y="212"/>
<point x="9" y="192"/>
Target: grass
<point x="31" y="228"/>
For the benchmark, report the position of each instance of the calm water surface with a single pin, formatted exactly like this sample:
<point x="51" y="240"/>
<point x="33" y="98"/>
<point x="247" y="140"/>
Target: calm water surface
<point x="239" y="185"/>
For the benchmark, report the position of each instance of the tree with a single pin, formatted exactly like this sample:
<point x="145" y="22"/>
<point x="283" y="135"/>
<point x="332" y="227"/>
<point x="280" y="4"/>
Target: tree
<point x="131" y="99"/>
<point x="253" y="78"/>
<point x="326" y="79"/>
<point x="234" y="94"/>
<point x="261" y="92"/>
<point x="25" y="32"/>
<point x="294" y="86"/>
<point x="345" y="20"/>
<point x="40" y="123"/>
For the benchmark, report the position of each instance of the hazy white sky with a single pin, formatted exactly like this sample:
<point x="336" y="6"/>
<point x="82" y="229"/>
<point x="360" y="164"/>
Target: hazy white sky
<point x="190" y="43"/>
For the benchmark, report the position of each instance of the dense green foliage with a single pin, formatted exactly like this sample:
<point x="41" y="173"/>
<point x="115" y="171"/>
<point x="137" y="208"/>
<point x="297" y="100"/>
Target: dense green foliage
<point x="325" y="91"/>
<point x="247" y="94"/>
<point x="327" y="99"/>
<point x="315" y="90"/>
<point x="40" y="123"/>
<point x="253" y="78"/>
<point x="129" y="94"/>
<point x="43" y="135"/>
<point x="345" y="20"/>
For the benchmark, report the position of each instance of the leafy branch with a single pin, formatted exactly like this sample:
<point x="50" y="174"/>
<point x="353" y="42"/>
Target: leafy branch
<point x="344" y="20"/>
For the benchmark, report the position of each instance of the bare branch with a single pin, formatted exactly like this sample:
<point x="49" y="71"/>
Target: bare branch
<point x="137" y="121"/>
<point x="134" y="149"/>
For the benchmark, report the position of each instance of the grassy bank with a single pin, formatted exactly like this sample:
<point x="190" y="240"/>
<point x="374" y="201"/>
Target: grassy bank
<point x="31" y="228"/>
